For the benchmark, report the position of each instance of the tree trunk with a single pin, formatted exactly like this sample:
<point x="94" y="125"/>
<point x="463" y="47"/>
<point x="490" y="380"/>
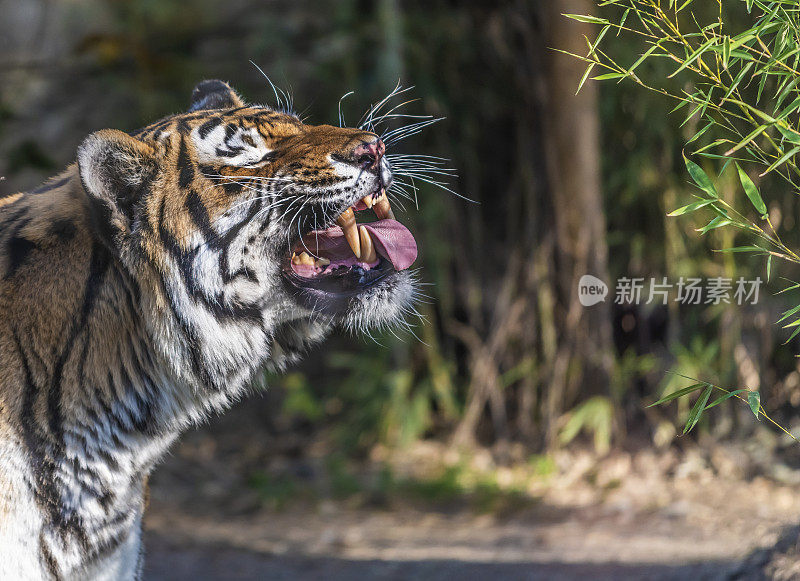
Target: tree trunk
<point x="573" y="162"/>
<point x="555" y="226"/>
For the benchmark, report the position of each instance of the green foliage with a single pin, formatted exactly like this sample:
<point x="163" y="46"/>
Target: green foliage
<point x="595" y="415"/>
<point x="697" y="409"/>
<point x="629" y="368"/>
<point x="543" y="465"/>
<point x="739" y="97"/>
<point x="343" y="483"/>
<point x="299" y="399"/>
<point x="697" y="359"/>
<point x="274" y="492"/>
<point x="459" y="484"/>
<point x="752" y="399"/>
<point x="443" y="487"/>
<point x="375" y="398"/>
<point x="722" y="69"/>
<point x="680" y="393"/>
<point x="379" y="403"/>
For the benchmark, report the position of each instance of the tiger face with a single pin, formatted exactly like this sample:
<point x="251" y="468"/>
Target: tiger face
<point x="244" y="215"/>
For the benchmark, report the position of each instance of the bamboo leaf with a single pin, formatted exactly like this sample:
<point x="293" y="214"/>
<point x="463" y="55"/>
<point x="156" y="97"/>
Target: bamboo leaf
<point x="792" y="336"/>
<point x="783" y="159"/>
<point x="766" y="117"/>
<point x="754" y="399"/>
<point x="738" y="80"/>
<point x="742" y="39"/>
<point x="792" y="107"/>
<point x="724" y="397"/>
<point x="694" y="56"/>
<point x="622" y="20"/>
<point x="700" y="177"/>
<point x="736" y="249"/>
<point x="715" y="143"/>
<point x="697" y="410"/>
<point x="717" y="222"/>
<point x="642" y="58"/>
<point x="790" y="134"/>
<point x="608" y="76"/>
<point x="584" y="77"/>
<point x="750" y="137"/>
<point x="690" y="208"/>
<point x="796" y="285"/>
<point x="789" y="313"/>
<point x="677" y="394"/>
<point x="700" y="133"/>
<point x="751" y="191"/>
<point x="585" y="18"/>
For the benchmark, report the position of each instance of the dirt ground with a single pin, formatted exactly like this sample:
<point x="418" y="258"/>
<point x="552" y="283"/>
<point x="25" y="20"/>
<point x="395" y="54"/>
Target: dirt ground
<point x="411" y="545"/>
<point x="687" y="539"/>
<point x="696" y="514"/>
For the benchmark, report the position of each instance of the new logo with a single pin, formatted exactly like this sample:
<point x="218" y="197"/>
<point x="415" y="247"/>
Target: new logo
<point x="591" y="290"/>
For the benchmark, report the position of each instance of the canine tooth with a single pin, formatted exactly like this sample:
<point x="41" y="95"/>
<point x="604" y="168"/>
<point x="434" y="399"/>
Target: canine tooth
<point x="367" y="200"/>
<point x="306" y="259"/>
<point x="295" y="258"/>
<point x="320" y="262"/>
<point x="382" y="207"/>
<point x="367" y="247"/>
<point x="347" y="221"/>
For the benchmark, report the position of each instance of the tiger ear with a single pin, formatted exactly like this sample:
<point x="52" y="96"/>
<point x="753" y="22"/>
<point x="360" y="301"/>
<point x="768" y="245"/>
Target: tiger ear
<point x="116" y="170"/>
<point x="214" y="95"/>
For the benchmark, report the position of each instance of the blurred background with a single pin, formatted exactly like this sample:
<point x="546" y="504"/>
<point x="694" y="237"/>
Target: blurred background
<point x="511" y="429"/>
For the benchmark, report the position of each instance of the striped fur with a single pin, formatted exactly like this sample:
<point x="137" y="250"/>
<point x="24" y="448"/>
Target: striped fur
<point x="140" y="290"/>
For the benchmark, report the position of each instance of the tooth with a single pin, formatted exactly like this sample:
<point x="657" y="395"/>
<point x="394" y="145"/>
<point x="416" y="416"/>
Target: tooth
<point x="382" y="208"/>
<point x="367" y="200"/>
<point x="321" y="262"/>
<point x="306" y="259"/>
<point x="295" y="258"/>
<point x="347" y="221"/>
<point x="367" y="247"/>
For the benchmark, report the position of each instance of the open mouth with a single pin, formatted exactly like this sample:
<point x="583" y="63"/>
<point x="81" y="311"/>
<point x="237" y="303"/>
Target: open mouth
<point x="346" y="257"/>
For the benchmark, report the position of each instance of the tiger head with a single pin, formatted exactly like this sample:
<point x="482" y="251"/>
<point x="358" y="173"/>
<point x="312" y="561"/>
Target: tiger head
<point x="243" y="220"/>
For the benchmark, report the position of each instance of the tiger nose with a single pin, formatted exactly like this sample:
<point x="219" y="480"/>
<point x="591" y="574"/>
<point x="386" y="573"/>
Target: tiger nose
<point x="369" y="155"/>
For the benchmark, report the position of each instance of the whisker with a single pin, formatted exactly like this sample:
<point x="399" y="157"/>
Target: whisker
<point x="341" y="115"/>
<point x="425" y="171"/>
<point x="406" y="131"/>
<point x="401" y="185"/>
<point x="380" y="104"/>
<point x="399" y="191"/>
<point x="444" y="187"/>
<point x="374" y="108"/>
<point x="416" y="155"/>
<point x="379" y="119"/>
<point x="429" y="120"/>
<point x="271" y="84"/>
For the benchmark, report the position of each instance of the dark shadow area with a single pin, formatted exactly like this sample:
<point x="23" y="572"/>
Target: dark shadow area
<point x="207" y="563"/>
<point x="776" y="562"/>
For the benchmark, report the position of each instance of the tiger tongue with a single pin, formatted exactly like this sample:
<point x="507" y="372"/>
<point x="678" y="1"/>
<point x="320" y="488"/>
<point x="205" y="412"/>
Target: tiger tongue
<point x="394" y="242"/>
<point x="391" y="239"/>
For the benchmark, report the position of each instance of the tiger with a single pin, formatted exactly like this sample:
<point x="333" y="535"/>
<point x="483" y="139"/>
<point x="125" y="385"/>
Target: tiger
<point x="150" y="284"/>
